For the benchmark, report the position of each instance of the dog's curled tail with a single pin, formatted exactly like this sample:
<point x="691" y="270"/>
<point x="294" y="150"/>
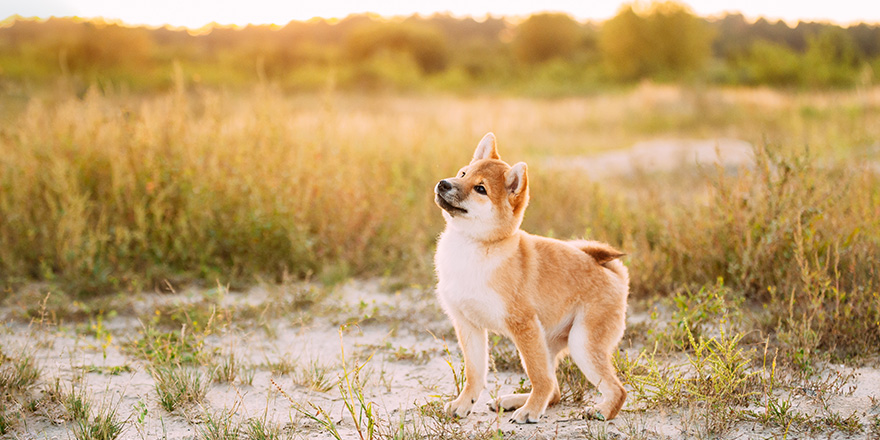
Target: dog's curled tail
<point x="605" y="255"/>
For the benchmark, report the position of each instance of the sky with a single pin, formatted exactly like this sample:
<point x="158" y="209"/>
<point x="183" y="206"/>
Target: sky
<point x="197" y="13"/>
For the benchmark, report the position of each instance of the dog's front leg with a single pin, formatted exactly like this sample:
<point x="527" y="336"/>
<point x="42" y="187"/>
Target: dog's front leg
<point x="528" y="336"/>
<point x="475" y="348"/>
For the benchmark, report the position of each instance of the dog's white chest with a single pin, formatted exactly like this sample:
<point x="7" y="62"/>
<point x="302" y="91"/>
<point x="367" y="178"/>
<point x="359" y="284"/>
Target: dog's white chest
<point x="464" y="270"/>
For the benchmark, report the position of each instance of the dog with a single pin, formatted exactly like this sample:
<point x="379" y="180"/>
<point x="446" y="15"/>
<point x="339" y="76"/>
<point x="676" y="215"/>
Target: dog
<point x="551" y="297"/>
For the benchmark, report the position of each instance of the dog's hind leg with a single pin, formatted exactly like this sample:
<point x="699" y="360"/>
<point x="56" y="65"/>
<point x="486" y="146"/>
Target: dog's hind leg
<point x="591" y="349"/>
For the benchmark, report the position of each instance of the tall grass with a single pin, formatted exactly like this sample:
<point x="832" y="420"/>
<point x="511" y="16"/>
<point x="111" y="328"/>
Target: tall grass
<point x="114" y="191"/>
<point x="102" y="195"/>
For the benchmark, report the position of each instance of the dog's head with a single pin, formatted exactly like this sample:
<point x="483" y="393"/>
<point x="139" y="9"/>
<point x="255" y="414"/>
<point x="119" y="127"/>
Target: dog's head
<point x="487" y="198"/>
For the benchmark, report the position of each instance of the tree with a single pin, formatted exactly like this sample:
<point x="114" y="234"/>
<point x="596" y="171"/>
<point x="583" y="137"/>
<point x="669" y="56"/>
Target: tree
<point x="772" y="64"/>
<point x="832" y="58"/>
<point x="666" y="38"/>
<point x="425" y="44"/>
<point x="546" y="36"/>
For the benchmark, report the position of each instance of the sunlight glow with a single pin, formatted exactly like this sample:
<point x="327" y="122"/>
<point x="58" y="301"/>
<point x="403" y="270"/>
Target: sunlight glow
<point x="197" y="13"/>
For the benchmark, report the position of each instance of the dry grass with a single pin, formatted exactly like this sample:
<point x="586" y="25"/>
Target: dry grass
<point x="112" y="192"/>
<point x="104" y="193"/>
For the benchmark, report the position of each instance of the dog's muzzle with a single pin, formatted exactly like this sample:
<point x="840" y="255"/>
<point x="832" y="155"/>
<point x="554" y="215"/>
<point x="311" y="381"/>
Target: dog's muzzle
<point x="445" y="200"/>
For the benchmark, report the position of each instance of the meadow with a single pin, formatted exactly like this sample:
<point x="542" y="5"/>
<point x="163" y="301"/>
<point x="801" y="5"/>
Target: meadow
<point x="141" y="215"/>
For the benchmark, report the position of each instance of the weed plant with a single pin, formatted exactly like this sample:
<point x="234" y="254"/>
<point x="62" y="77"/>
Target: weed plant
<point x="17" y="374"/>
<point x="177" y="386"/>
<point x="225" y="368"/>
<point x="219" y="426"/>
<point x="76" y="404"/>
<point x="105" y="425"/>
<point x="315" y="376"/>
<point x="260" y="429"/>
<point x="88" y="422"/>
<point x="178" y="346"/>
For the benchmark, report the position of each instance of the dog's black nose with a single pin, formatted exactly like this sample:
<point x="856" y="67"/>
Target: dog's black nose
<point x="444" y="186"/>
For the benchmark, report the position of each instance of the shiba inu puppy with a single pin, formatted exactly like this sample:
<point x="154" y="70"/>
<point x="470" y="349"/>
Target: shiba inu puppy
<point x="550" y="297"/>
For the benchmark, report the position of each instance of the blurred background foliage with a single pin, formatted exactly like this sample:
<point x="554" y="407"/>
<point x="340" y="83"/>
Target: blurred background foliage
<point x="548" y="53"/>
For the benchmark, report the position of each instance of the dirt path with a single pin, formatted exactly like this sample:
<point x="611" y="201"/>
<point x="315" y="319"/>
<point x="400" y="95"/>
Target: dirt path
<point x="659" y="155"/>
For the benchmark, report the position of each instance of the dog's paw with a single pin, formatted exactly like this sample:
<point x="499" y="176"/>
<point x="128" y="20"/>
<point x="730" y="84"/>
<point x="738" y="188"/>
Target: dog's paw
<point x="459" y="407"/>
<point x="508" y="402"/>
<point x="525" y="415"/>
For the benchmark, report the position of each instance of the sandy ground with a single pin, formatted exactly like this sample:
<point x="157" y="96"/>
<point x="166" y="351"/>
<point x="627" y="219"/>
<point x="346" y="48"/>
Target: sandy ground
<point x="407" y="321"/>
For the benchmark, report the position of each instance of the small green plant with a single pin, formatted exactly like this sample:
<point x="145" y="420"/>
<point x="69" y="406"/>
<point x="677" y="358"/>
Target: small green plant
<point x="434" y="410"/>
<point x="850" y="425"/>
<point x="225" y="369"/>
<point x="358" y="408"/>
<point x="259" y="429"/>
<point x="282" y="366"/>
<point x="140" y="411"/>
<point x="315" y="376"/>
<point x="104" y="425"/>
<point x="178" y="346"/>
<point x="653" y="383"/>
<point x="7" y="419"/>
<point x="721" y="367"/>
<point x="178" y="385"/>
<point x="779" y="412"/>
<point x="17" y="374"/>
<point x="352" y="390"/>
<point x="113" y="370"/>
<point x="246" y="374"/>
<point x="102" y="335"/>
<point x="572" y="383"/>
<point x="523" y="387"/>
<point x="219" y="426"/>
<point x="76" y="404"/>
<point x="598" y="432"/>
<point x="695" y="312"/>
<point x="320" y="416"/>
<point x="458" y="377"/>
<point x="431" y="421"/>
<point x="407" y="355"/>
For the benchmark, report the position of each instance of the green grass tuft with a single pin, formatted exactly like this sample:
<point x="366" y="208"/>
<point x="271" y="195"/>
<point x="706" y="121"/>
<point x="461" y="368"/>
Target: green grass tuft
<point x="177" y="386"/>
<point x="219" y="426"/>
<point x="17" y="374"/>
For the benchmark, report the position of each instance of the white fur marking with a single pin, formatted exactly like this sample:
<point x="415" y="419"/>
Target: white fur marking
<point x="464" y="270"/>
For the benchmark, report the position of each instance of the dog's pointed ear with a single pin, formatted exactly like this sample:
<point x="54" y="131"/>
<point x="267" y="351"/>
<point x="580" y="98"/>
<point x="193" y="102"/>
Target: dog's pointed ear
<point x="486" y="149"/>
<point x="517" y="179"/>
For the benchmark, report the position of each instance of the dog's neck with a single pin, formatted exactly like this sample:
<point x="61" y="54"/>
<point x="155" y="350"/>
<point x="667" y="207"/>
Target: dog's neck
<point x="486" y="240"/>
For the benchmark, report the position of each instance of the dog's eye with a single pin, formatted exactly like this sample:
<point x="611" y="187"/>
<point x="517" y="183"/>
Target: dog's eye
<point x="480" y="189"/>
<point x="462" y="174"/>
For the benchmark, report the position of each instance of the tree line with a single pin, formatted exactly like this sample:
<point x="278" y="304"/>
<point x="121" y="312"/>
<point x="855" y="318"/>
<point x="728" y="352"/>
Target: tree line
<point x="661" y="41"/>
